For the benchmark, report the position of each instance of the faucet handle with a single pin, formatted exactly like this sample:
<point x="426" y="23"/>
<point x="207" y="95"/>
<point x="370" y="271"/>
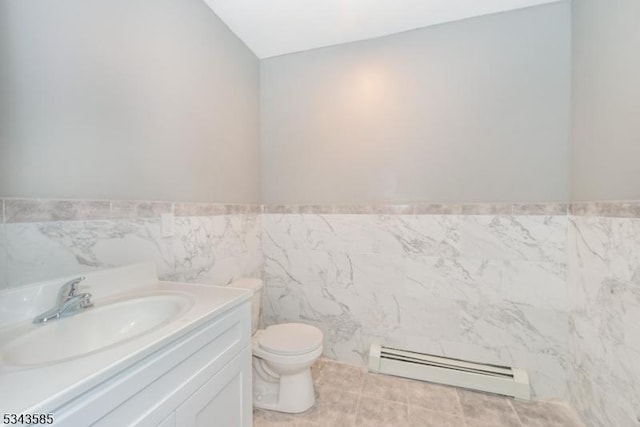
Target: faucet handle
<point x="85" y="300"/>
<point x="69" y="289"/>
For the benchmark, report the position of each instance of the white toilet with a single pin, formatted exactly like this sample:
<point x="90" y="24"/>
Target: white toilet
<point x="282" y="357"/>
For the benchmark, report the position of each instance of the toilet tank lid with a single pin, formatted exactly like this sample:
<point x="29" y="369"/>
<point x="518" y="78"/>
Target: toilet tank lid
<point x="247" y="283"/>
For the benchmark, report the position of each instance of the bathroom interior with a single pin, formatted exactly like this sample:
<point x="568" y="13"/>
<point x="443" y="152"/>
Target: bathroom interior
<point x="451" y="178"/>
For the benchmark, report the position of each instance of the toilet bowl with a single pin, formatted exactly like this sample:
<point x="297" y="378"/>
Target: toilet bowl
<point x="282" y="358"/>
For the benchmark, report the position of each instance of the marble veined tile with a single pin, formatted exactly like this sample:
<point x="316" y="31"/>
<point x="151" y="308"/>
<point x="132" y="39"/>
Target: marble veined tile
<point x="223" y="234"/>
<point x="537" y="284"/>
<point x="589" y="364"/>
<point x="589" y="398"/>
<point x="420" y="282"/>
<point x="525" y="238"/>
<point x="335" y="288"/>
<point x="624" y="392"/>
<point x="355" y="233"/>
<point x="547" y="372"/>
<point x="208" y="249"/>
<point x="470" y="279"/>
<point x="424" y="235"/>
<point x="384" y="234"/>
<point x="624" y="253"/>
<point x="214" y="249"/>
<point x="3" y="257"/>
<point x="221" y="272"/>
<point x="604" y="348"/>
<point x="479" y="280"/>
<point x="590" y="264"/>
<point x="515" y="325"/>
<point x="39" y="251"/>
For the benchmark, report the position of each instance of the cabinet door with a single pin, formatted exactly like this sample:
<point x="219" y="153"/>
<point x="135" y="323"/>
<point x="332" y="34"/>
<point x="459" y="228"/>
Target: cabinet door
<point x="224" y="400"/>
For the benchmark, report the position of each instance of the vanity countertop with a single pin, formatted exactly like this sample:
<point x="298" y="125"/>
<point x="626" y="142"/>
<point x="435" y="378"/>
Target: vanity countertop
<point x="28" y="388"/>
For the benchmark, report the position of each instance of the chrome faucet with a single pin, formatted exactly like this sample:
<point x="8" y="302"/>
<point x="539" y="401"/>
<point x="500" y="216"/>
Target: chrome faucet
<point x="69" y="302"/>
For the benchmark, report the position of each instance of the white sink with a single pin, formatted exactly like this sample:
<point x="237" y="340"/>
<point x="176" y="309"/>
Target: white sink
<point x="93" y="330"/>
<point x="135" y="316"/>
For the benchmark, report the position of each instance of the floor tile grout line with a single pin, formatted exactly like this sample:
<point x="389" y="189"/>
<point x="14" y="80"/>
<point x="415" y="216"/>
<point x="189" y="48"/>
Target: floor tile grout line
<point x="406" y="386"/>
<point x="406" y="393"/>
<point x="459" y="403"/>
<point x="355" y="415"/>
<point x="462" y="415"/>
<point x="515" y="412"/>
<point x="355" y="418"/>
<point x="406" y="396"/>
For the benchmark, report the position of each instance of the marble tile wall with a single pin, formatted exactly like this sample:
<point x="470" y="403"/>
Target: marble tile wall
<point x="3" y="258"/>
<point x="499" y="283"/>
<point x="489" y="287"/>
<point x="42" y="239"/>
<point x="604" y="314"/>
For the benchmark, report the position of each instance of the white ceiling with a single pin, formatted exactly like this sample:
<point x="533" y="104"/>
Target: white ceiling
<point x="276" y="27"/>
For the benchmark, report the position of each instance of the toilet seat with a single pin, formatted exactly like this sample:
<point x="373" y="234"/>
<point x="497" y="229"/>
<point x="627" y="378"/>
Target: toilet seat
<point x="290" y="339"/>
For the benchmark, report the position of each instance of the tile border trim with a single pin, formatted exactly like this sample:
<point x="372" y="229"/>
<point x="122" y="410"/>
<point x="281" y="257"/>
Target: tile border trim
<point x="50" y="210"/>
<point x="22" y="210"/>
<point x="612" y="209"/>
<point x="425" y="209"/>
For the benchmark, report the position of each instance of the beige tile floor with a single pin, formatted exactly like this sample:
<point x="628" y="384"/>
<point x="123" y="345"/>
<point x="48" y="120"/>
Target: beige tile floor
<point x="351" y="397"/>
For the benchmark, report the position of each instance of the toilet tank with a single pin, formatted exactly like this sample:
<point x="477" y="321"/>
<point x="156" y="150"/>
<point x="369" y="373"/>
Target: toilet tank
<point x="255" y="286"/>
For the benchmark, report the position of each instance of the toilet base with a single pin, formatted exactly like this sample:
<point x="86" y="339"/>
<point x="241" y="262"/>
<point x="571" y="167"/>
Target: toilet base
<point x="289" y="393"/>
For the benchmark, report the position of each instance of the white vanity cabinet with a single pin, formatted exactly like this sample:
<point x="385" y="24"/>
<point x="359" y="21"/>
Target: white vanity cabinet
<point x="217" y="402"/>
<point x="201" y="379"/>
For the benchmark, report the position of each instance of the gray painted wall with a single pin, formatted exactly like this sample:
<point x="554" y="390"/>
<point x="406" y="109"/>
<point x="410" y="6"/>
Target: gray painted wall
<point x="606" y="100"/>
<point x="476" y="110"/>
<point x="148" y="99"/>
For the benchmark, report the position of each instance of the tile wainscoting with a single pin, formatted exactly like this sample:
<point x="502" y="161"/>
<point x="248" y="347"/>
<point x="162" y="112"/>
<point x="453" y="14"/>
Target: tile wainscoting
<point x="43" y="239"/>
<point x="551" y="287"/>
<point x="488" y="288"/>
<point x="604" y="315"/>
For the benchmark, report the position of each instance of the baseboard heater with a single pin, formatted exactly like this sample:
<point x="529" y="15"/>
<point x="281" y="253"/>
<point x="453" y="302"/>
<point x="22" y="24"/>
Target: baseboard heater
<point x="502" y="380"/>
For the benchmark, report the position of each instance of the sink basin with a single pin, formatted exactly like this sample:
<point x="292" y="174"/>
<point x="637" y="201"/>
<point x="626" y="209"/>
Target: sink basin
<point x="94" y="329"/>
